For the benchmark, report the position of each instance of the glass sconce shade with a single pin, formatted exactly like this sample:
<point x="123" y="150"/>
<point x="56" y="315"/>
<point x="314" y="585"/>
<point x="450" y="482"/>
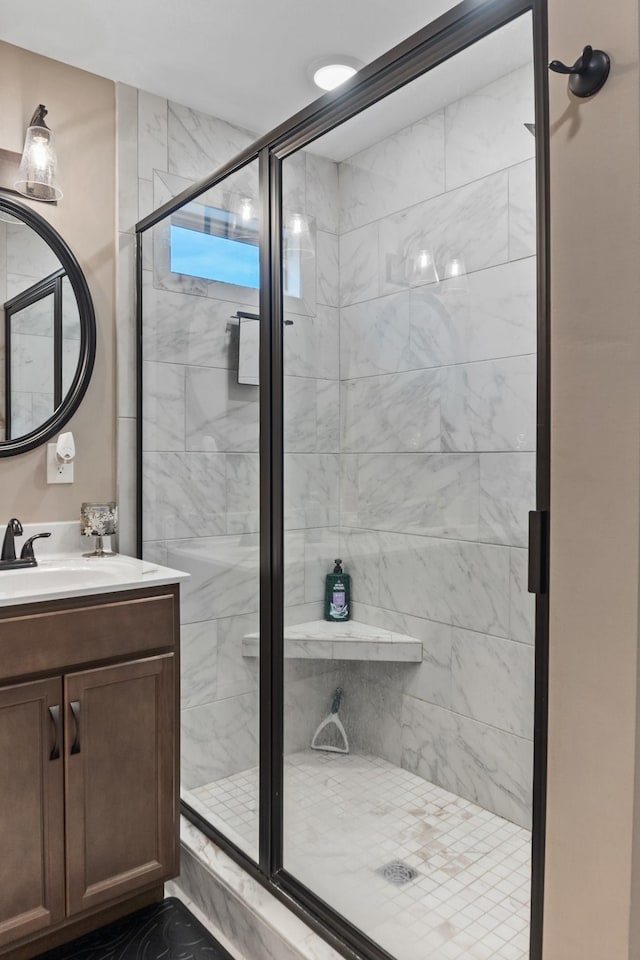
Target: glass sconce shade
<point x="38" y="167"/>
<point x="297" y="236"/>
<point x="423" y="268"/>
<point x="455" y="272"/>
<point x="244" y="217"/>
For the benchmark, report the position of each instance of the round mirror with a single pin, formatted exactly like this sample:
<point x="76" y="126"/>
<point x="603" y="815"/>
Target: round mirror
<point x="48" y="329"/>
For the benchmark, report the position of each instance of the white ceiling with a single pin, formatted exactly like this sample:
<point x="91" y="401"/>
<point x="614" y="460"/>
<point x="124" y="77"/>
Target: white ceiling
<point x="473" y="68"/>
<point x="243" y="60"/>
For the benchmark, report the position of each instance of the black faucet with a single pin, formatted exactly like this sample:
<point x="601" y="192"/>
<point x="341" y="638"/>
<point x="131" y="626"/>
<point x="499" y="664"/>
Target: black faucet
<point x="14" y="529"/>
<point x="8" y="559"/>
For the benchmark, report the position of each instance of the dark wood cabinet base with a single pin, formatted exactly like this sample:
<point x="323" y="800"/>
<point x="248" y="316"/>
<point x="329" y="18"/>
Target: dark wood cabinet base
<point x="89" y="752"/>
<point x="34" y="946"/>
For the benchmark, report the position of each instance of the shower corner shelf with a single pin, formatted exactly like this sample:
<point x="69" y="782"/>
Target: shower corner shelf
<point x="322" y="640"/>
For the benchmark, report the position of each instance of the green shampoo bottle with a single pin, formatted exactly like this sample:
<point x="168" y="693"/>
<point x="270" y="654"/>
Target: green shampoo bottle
<point x="337" y="595"/>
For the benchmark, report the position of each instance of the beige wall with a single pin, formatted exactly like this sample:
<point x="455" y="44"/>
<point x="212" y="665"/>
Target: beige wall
<point x="595" y="488"/>
<point x="82" y="114"/>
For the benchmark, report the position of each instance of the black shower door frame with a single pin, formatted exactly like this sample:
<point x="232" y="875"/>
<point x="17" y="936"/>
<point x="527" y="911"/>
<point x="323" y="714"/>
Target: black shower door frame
<point x="462" y="26"/>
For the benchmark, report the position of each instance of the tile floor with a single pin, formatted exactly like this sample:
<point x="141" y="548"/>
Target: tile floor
<point x="346" y="816"/>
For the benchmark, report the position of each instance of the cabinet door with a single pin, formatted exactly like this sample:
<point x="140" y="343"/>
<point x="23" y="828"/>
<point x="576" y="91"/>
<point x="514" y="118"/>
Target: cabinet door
<point x="121" y="783"/>
<point x="31" y="809"/>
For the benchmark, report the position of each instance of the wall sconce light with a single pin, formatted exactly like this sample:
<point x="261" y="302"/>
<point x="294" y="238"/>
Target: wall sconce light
<point x="243" y="217"/>
<point x="423" y="268"/>
<point x="297" y="236"/>
<point x="455" y="272"/>
<point x="38" y="167"/>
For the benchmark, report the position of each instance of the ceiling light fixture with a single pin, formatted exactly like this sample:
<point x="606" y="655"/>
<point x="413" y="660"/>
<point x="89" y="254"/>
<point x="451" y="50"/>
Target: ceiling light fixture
<point x="331" y="71"/>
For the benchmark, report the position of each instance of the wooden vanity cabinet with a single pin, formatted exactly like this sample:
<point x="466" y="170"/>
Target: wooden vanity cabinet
<point x="32" y="894"/>
<point x="88" y="763"/>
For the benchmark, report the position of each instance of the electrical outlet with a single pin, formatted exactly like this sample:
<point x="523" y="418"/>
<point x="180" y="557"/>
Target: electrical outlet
<point x="57" y="472"/>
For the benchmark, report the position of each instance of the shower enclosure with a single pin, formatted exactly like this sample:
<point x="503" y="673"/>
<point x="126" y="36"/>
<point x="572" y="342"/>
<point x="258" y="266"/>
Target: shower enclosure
<point x="343" y="354"/>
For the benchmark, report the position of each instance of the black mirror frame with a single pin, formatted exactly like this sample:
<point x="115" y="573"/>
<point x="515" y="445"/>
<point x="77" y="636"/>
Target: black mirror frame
<point x="86" y="313"/>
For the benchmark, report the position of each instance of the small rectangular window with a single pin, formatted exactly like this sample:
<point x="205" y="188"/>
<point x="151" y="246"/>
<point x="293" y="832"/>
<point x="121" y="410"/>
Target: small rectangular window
<point x="214" y="258"/>
<point x="213" y="244"/>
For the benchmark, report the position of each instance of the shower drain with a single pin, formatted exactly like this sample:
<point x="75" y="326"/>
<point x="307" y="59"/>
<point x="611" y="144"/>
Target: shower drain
<point x="397" y="872"/>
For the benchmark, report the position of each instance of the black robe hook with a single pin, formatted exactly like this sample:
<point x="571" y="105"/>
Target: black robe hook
<point x="588" y="74"/>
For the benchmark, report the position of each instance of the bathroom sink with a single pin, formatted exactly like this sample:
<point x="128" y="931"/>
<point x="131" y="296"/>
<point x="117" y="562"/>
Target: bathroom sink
<point x="77" y="576"/>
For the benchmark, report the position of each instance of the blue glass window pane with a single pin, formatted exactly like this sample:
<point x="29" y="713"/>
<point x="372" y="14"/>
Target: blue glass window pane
<point x="214" y="258"/>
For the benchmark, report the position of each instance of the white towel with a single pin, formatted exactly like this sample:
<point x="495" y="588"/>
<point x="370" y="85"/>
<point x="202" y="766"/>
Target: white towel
<point x="249" y="350"/>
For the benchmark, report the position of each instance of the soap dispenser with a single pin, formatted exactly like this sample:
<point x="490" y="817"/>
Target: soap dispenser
<point x="337" y="596"/>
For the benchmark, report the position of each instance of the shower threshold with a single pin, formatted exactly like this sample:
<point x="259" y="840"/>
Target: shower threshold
<point x="347" y="817"/>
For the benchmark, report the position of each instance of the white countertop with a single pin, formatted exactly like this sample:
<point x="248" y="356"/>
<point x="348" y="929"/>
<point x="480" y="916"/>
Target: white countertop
<point x="72" y="575"/>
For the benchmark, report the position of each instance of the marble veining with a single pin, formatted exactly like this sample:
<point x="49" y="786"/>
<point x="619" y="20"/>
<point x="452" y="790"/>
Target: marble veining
<point x="152" y="134"/>
<point x="522" y="603"/>
<point x="485" y="130"/>
<point x="490" y="405"/>
<point x="492" y="681"/>
<point x="359" y="253"/>
<point x="183" y="495"/>
<point x="198" y="662"/>
<point x="203" y="338"/>
<point x="164" y="408"/>
<point x="218" y="738"/>
<point x="469" y="223"/>
<point x="435" y="495"/>
<point x="311" y="489"/>
<point x="398" y="412"/>
<point x="243" y="492"/>
<point x="491" y="315"/>
<point x="473" y="760"/>
<point x="507" y="494"/>
<point x="393" y="174"/>
<point x="221" y="414"/>
<point x="464" y="584"/>
<point x="199" y="143"/>
<point x="253" y="919"/>
<point x="322" y="191"/>
<point x="522" y="210"/>
<point x="224" y="576"/>
<point x="328" y="269"/>
<point x="310" y="345"/>
<point x="311" y="415"/>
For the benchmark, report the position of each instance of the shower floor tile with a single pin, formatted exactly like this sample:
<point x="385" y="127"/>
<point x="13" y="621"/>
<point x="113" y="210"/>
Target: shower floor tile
<point x="346" y="816"/>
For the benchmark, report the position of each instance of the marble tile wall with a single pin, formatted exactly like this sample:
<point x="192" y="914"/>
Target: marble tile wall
<point x="200" y="430"/>
<point x="437" y="440"/>
<point x="409" y="438"/>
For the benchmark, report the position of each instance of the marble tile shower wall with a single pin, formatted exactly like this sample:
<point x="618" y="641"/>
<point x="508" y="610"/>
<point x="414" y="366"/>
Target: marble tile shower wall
<point x="200" y="435"/>
<point x="437" y="410"/>
<point x="409" y="451"/>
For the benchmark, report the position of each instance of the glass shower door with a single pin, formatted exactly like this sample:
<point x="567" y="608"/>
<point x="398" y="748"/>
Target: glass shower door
<point x="409" y="256"/>
<point x="200" y="464"/>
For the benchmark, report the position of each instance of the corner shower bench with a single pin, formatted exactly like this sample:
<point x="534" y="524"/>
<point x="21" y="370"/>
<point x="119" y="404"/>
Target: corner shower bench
<point x="322" y="640"/>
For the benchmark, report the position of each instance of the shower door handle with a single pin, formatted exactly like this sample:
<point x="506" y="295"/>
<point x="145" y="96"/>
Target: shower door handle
<point x="538" y="551"/>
